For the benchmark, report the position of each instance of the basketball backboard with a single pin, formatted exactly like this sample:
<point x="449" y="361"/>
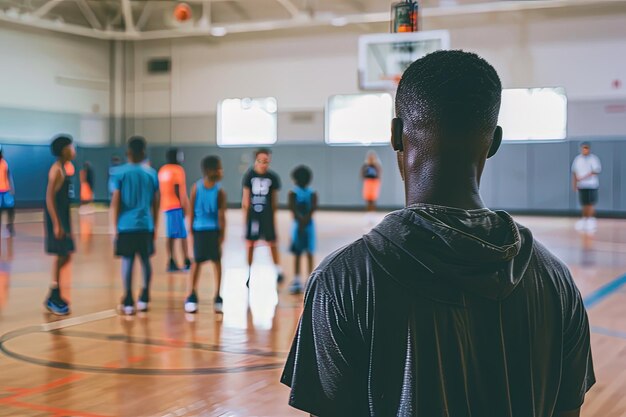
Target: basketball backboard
<point x="384" y="57"/>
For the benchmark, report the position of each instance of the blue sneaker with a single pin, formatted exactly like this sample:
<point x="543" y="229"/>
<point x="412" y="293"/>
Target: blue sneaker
<point x="56" y="305"/>
<point x="296" y="286"/>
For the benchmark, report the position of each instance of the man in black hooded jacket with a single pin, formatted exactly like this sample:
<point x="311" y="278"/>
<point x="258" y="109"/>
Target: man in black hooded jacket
<point x="446" y="308"/>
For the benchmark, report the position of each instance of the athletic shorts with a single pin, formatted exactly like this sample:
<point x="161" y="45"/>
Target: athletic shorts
<point x="302" y="240"/>
<point x="588" y="196"/>
<point x="260" y="228"/>
<point x="59" y="247"/>
<point x="129" y="244"/>
<point x="371" y="189"/>
<point x="206" y="246"/>
<point x="6" y="200"/>
<point x="175" y="222"/>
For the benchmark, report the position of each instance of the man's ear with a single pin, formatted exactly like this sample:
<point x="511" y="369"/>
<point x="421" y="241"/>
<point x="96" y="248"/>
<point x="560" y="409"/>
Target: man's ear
<point x="496" y="142"/>
<point x="397" y="129"/>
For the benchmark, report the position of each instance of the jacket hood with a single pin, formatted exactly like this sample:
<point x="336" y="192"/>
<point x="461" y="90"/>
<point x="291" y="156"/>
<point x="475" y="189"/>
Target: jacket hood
<point x="444" y="251"/>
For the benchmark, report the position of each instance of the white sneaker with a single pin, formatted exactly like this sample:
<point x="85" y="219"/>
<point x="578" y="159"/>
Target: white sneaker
<point x="581" y="225"/>
<point x="591" y="225"/>
<point x="191" y="307"/>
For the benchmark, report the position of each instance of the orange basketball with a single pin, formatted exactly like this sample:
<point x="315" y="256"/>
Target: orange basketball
<point x="182" y="12"/>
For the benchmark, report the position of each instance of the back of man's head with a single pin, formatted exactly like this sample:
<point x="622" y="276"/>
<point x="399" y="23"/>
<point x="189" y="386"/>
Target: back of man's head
<point x="449" y="96"/>
<point x="137" y="148"/>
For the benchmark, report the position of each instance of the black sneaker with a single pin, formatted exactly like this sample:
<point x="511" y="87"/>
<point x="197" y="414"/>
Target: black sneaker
<point x="187" y="266"/>
<point x="144" y="299"/>
<point x="219" y="303"/>
<point x="127" y="306"/>
<point x="191" y="303"/>
<point x="280" y="277"/>
<point x="172" y="267"/>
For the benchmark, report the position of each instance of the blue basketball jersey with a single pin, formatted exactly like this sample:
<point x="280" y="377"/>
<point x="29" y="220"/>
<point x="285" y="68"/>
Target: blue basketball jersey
<point x="304" y="200"/>
<point x="206" y="208"/>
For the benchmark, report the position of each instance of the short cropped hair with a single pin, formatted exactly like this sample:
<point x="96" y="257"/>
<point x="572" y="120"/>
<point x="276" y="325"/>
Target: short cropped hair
<point x="450" y="92"/>
<point x="302" y="175"/>
<point x="59" y="143"/>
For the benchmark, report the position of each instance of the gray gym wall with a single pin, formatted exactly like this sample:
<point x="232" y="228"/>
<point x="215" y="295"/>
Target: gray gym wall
<point x="56" y="83"/>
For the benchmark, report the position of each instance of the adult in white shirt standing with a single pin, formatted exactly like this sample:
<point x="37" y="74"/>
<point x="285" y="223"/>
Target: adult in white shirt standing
<point x="585" y="170"/>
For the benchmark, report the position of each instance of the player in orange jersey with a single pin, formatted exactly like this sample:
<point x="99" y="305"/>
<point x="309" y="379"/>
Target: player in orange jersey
<point x="174" y="203"/>
<point x="7" y="192"/>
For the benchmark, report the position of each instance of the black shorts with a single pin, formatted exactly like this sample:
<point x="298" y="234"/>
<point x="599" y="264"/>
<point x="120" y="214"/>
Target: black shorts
<point x="129" y="244"/>
<point x="206" y="246"/>
<point x="261" y="228"/>
<point x="59" y="247"/>
<point x="588" y="196"/>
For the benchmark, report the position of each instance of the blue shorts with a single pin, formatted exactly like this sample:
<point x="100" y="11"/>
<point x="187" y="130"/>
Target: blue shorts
<point x="6" y="200"/>
<point x="303" y="240"/>
<point x="175" y="224"/>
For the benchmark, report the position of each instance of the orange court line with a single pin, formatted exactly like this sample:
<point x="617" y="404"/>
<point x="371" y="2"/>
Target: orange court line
<point x="22" y="392"/>
<point x="43" y="388"/>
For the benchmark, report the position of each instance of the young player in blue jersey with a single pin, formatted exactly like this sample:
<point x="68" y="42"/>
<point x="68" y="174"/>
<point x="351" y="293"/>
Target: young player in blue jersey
<point x="302" y="203"/>
<point x="208" y="227"/>
<point x="135" y="204"/>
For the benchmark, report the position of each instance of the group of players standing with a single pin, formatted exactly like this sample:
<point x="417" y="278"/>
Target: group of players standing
<point x="138" y="193"/>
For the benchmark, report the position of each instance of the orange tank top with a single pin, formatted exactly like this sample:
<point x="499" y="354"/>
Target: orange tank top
<point x="5" y="180"/>
<point x="69" y="169"/>
<point x="170" y="176"/>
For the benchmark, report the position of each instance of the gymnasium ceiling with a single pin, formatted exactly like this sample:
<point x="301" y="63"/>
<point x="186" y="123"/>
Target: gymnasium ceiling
<point x="152" y="19"/>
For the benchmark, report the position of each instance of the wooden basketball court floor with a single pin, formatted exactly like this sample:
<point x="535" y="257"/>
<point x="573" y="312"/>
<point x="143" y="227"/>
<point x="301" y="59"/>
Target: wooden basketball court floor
<point x="167" y="363"/>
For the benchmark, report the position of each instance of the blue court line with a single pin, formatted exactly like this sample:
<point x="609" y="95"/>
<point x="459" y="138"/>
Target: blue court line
<point x="600" y="294"/>
<point x="608" y="332"/>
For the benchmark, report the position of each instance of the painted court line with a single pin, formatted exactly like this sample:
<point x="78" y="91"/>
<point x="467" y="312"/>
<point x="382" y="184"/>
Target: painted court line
<point x="76" y="321"/>
<point x="603" y="292"/>
<point x="608" y="332"/>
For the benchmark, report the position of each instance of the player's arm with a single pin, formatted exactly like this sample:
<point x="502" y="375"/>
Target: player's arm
<point x="313" y="203"/>
<point x="274" y="203"/>
<point x="156" y="201"/>
<point x="221" y="201"/>
<point x="292" y="204"/>
<point x="184" y="199"/>
<point x="83" y="176"/>
<point x="55" y="180"/>
<point x="115" y="206"/>
<point x="192" y="212"/>
<point x="11" y="183"/>
<point x="245" y="199"/>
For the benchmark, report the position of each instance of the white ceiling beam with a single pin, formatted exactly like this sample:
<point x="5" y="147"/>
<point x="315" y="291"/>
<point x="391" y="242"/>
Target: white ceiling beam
<point x="127" y="12"/>
<point x="145" y="15"/>
<point x="46" y="8"/>
<point x="285" y="24"/>
<point x="89" y="14"/>
<point x="290" y="7"/>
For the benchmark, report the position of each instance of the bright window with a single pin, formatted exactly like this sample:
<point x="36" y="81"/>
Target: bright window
<point x="247" y="121"/>
<point x="534" y="114"/>
<point x="361" y="119"/>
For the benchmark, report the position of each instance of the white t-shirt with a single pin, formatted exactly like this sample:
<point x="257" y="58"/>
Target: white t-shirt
<point x="585" y="165"/>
